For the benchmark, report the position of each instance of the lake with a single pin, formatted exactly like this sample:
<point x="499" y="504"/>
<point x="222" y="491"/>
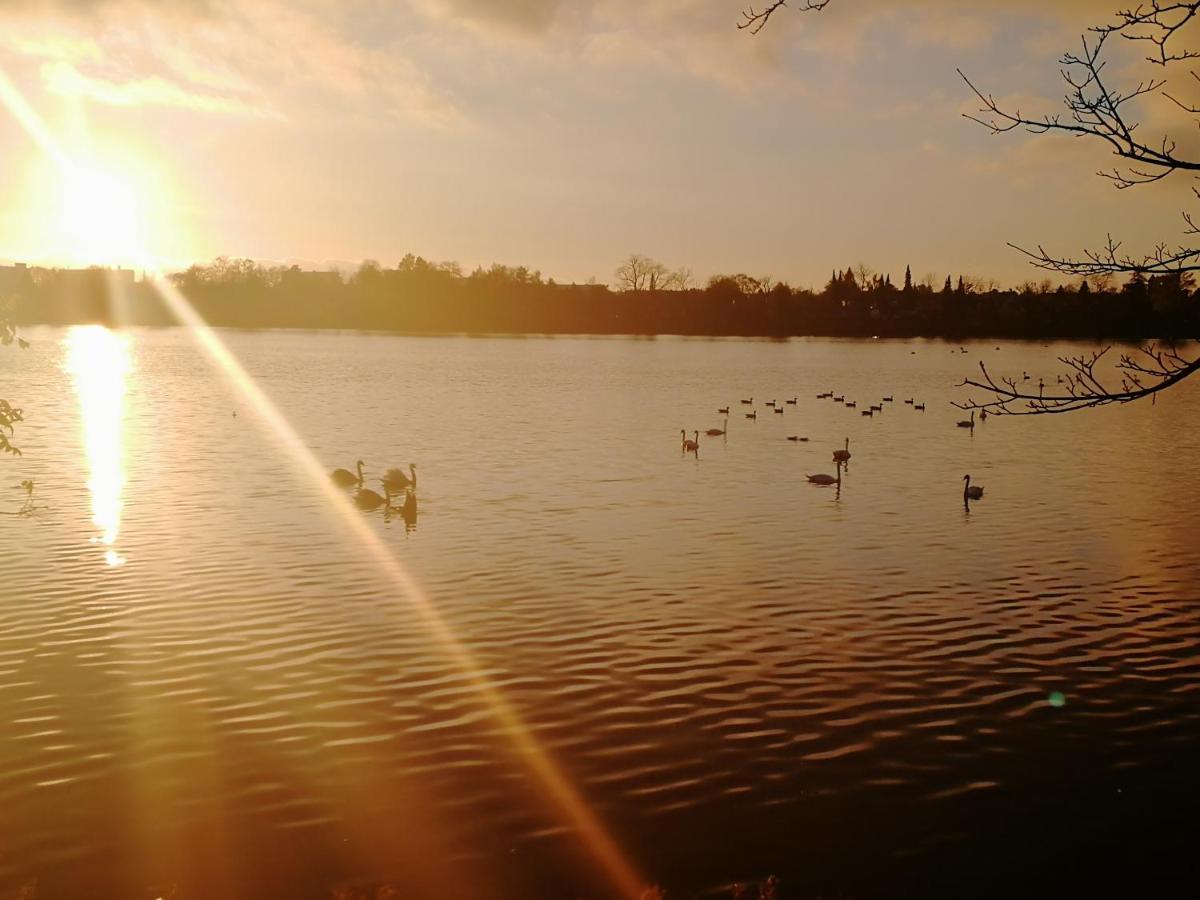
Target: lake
<point x="217" y="682"/>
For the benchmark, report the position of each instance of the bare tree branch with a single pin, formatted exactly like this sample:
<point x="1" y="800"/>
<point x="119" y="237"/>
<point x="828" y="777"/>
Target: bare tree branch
<point x="756" y="20"/>
<point x="1142" y="372"/>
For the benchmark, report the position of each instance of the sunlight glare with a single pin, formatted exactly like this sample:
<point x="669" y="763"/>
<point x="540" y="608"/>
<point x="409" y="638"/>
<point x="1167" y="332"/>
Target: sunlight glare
<point x="98" y="360"/>
<point x="99" y="216"/>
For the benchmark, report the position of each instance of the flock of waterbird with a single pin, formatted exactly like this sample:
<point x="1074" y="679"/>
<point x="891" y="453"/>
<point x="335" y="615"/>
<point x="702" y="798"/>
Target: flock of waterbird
<point x="840" y="457"/>
<point x="394" y="481"/>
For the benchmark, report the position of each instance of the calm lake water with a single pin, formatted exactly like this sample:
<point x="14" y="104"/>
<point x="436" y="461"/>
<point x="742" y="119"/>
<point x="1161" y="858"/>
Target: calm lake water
<point x="211" y="687"/>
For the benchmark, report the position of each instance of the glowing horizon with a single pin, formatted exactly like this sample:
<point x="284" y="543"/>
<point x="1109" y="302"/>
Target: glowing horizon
<point x="562" y="138"/>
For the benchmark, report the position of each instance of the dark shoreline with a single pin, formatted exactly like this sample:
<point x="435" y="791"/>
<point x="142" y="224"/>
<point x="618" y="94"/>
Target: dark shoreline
<point x="428" y="299"/>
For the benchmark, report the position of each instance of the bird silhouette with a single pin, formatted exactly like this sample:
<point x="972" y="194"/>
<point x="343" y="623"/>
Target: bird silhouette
<point x="397" y="481"/>
<point x="826" y="480"/>
<point x="369" y="501"/>
<point x="346" y="478"/>
<point x="841" y="456"/>
<point x="971" y="492"/>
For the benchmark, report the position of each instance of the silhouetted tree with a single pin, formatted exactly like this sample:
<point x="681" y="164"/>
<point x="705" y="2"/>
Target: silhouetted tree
<point x="423" y="296"/>
<point x="9" y="414"/>
<point x="640" y="273"/>
<point x="1098" y="109"/>
<point x="908" y="284"/>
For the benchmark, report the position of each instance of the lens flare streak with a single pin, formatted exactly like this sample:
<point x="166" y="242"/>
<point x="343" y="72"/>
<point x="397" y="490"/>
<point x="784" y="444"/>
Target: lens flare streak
<point x="556" y="786"/>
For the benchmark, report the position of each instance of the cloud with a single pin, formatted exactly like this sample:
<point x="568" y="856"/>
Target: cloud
<point x="520" y="15"/>
<point x="266" y="58"/>
<point x="64" y="79"/>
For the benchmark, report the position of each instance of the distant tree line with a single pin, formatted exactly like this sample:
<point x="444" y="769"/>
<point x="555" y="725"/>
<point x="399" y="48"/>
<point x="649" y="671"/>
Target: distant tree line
<point x="420" y="296"/>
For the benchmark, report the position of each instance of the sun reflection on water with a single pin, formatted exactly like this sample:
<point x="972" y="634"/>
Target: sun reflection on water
<point x="99" y="360"/>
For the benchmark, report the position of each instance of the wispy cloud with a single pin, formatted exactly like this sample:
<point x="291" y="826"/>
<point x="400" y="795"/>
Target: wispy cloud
<point x="63" y="78"/>
<point x="267" y="58"/>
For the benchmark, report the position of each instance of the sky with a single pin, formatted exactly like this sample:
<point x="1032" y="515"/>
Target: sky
<point x="558" y="134"/>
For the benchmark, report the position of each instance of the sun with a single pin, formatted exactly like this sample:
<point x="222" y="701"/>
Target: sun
<point x="100" y="216"/>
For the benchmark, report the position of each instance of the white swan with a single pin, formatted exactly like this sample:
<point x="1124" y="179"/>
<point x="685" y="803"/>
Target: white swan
<point x="346" y="478"/>
<point x="969" y="492"/>
<point x="369" y="500"/>
<point x="397" y="481"/>
<point x="826" y="480"/>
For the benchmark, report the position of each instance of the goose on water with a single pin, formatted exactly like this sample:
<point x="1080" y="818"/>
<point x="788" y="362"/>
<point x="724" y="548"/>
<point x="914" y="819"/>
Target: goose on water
<point x="791" y="402"/>
<point x="749" y="402"/>
<point x="346" y="478"/>
<point x="796" y="437"/>
<point x="779" y="410"/>
<point x="971" y="492"/>
<point x="869" y="412"/>
<point x="723" y="412"/>
<point x="852" y="405"/>
<point x="920" y="406"/>
<point x="889" y="399"/>
<point x="753" y="415"/>
<point x="909" y="401"/>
